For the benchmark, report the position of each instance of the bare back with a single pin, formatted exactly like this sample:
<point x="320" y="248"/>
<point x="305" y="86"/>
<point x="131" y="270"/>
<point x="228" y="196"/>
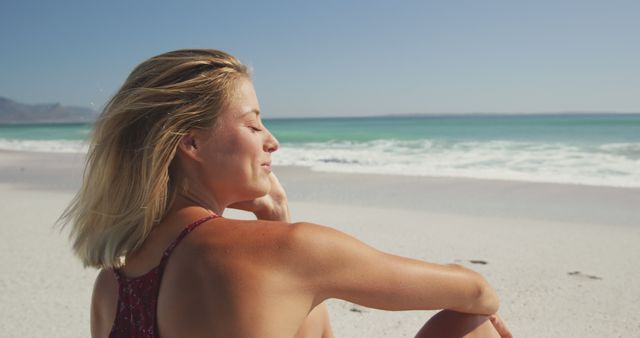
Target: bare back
<point x="223" y="280"/>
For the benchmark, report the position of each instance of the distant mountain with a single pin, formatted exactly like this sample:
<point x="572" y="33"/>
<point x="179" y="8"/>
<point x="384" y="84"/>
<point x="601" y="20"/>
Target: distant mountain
<point x="16" y="112"/>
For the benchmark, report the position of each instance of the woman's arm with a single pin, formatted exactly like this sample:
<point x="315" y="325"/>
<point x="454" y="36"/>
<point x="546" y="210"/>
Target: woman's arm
<point x="103" y="303"/>
<point x="336" y="265"/>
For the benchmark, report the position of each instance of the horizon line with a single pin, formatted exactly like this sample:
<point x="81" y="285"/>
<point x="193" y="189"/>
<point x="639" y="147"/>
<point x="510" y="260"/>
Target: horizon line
<point x="461" y="114"/>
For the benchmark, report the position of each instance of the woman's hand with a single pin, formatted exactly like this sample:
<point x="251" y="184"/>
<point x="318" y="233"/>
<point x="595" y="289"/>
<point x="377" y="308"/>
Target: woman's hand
<point x="273" y="206"/>
<point x="500" y="326"/>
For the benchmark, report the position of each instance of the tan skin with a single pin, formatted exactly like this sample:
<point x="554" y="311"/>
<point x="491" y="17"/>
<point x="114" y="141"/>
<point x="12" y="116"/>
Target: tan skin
<point x="269" y="278"/>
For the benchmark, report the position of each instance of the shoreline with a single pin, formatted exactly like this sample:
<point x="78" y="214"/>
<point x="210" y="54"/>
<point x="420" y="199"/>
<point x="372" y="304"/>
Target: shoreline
<point x="461" y="196"/>
<point x="78" y="157"/>
<point x="449" y="195"/>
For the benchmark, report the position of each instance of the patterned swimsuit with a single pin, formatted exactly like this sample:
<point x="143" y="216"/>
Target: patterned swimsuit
<point x="138" y="296"/>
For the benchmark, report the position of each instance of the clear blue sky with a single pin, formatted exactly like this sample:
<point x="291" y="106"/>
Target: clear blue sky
<point x="340" y="58"/>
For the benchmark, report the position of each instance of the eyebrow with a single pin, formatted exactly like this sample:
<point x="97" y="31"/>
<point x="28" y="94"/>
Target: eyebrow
<point x="256" y="111"/>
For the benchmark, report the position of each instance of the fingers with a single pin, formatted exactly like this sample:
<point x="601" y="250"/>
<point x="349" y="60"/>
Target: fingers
<point x="277" y="191"/>
<point x="500" y="326"/>
<point x="272" y="206"/>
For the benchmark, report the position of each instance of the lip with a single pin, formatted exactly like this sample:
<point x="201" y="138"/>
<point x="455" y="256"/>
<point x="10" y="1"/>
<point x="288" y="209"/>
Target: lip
<point x="266" y="166"/>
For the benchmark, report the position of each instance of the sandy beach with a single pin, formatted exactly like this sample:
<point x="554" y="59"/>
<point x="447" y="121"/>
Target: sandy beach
<point x="563" y="258"/>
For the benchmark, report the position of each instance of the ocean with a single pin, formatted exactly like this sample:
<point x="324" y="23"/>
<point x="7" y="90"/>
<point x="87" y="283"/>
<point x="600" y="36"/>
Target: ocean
<point x="591" y="149"/>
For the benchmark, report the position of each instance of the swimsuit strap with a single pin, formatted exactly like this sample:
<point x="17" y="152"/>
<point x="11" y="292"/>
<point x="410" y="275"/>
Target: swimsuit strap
<point x="138" y="297"/>
<point x="185" y="232"/>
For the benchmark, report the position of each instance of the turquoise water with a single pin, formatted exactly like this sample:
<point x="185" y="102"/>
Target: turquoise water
<point x="41" y="132"/>
<point x="554" y="128"/>
<point x="594" y="149"/>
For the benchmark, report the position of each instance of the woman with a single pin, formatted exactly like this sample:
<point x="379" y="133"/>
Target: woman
<point x="181" y="141"/>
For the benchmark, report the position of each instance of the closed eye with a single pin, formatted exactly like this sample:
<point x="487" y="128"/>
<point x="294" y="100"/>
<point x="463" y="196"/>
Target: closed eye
<point x="255" y="129"/>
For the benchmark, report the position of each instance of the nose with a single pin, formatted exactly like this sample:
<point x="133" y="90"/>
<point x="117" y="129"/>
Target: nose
<point x="271" y="144"/>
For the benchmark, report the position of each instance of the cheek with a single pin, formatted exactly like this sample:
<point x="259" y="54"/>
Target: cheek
<point x="235" y="156"/>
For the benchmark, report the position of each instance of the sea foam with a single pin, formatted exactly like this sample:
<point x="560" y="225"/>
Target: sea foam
<point x="603" y="165"/>
<point x="45" y="146"/>
<point x="612" y="164"/>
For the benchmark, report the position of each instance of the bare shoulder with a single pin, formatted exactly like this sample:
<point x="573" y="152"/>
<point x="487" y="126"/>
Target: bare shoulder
<point x="324" y="243"/>
<point x="239" y="235"/>
<point x="238" y="245"/>
<point x="309" y="238"/>
<point x="319" y="249"/>
<point x="281" y="242"/>
<point x="103" y="303"/>
<point x="299" y="250"/>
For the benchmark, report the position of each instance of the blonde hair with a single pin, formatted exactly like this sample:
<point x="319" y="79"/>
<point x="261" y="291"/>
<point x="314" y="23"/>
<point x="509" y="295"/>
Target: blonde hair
<point x="128" y="184"/>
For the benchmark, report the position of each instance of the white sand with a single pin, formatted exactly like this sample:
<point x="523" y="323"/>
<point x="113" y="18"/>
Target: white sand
<point x="531" y="236"/>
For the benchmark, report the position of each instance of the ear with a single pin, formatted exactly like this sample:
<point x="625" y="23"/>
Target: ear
<point x="188" y="145"/>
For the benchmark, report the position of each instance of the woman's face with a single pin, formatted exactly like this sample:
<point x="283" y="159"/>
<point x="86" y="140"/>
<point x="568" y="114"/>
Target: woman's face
<point x="236" y="154"/>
